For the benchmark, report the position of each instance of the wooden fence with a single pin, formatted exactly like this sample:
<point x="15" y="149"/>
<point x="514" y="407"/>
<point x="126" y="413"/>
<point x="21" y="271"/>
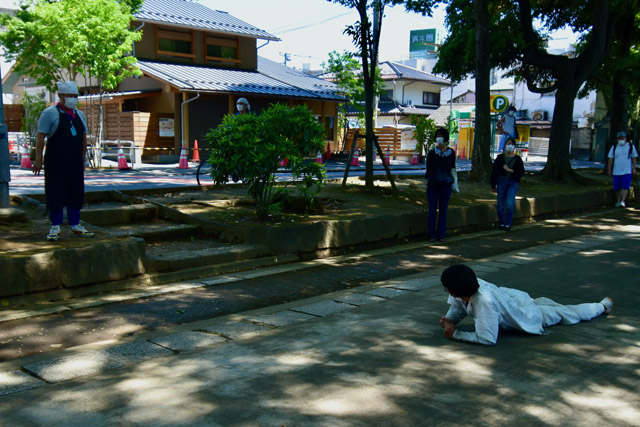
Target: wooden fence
<point x="390" y="138"/>
<point x="13" y="117"/>
<point x="142" y="128"/>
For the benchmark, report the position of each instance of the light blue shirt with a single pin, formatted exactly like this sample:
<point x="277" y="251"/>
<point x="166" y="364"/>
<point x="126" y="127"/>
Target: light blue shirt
<point x="50" y="118"/>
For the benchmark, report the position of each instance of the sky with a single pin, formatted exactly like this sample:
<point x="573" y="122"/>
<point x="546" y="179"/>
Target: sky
<point x="310" y="29"/>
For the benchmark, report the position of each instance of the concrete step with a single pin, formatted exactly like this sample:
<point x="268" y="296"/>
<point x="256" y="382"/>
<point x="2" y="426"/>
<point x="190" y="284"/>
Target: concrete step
<point x="119" y="214"/>
<point x="193" y="253"/>
<point x="155" y="231"/>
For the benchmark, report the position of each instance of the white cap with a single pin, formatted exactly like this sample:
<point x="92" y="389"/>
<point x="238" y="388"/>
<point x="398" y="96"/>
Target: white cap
<point x="67" y="88"/>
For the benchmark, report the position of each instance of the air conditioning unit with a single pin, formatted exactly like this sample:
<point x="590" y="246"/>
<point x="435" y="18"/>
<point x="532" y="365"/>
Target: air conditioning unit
<point x="522" y="114"/>
<point x="540" y="115"/>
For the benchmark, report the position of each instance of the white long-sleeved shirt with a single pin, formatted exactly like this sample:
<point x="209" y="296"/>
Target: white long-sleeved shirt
<point x="493" y="308"/>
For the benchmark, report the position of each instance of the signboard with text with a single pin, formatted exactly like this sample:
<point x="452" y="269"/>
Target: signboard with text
<point x="420" y="40"/>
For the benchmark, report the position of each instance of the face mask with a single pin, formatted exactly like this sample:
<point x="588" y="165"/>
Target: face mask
<point x="512" y="113"/>
<point x="240" y="107"/>
<point x="440" y="140"/>
<point x="71" y="102"/>
<point x="622" y="141"/>
<point x="509" y="148"/>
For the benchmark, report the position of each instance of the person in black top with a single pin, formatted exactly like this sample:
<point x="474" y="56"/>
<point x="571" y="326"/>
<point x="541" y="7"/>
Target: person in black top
<point x="442" y="177"/>
<point x="505" y="177"/>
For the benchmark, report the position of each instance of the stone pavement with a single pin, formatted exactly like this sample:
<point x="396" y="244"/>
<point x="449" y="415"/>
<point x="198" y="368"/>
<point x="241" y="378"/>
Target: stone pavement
<point x="368" y="356"/>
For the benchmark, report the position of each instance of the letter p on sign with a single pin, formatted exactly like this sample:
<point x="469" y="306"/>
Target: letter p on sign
<point x="499" y="103"/>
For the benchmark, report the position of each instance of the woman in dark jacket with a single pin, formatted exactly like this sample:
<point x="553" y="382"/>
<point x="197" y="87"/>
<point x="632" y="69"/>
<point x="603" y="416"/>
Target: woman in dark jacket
<point x="441" y="176"/>
<point x="505" y="177"/>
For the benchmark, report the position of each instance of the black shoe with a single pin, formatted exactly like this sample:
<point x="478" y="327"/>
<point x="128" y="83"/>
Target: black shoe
<point x="501" y="226"/>
<point x="431" y="239"/>
<point x="507" y="228"/>
<point x="442" y="239"/>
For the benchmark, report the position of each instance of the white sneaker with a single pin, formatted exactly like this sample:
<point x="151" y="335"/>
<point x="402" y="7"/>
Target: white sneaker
<point x="54" y="233"/>
<point x="80" y="231"/>
<point x="608" y="305"/>
<point x="622" y="204"/>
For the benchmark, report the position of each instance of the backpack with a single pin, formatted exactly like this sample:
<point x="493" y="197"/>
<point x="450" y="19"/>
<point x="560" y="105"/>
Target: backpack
<point x="616" y="146"/>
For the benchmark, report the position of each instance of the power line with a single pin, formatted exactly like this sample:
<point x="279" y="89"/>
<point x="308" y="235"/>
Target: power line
<point x="301" y="27"/>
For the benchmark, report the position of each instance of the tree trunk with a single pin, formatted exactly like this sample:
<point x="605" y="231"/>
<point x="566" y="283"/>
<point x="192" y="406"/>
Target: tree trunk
<point x="558" y="167"/>
<point x="481" y="160"/>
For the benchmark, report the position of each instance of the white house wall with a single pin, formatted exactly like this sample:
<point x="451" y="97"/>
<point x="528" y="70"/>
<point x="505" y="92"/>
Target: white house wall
<point x="412" y="91"/>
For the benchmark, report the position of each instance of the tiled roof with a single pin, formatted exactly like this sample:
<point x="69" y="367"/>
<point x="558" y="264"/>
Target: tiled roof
<point x="297" y="78"/>
<point x="192" y="78"/>
<point x="194" y="15"/>
<point x="392" y="70"/>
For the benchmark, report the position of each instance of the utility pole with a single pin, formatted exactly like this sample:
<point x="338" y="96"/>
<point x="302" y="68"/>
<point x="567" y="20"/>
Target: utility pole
<point x="5" y="173"/>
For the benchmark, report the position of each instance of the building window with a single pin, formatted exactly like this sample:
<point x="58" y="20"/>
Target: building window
<point x="175" y="44"/>
<point x="430" y="98"/>
<point x="221" y="50"/>
<point x="387" y="95"/>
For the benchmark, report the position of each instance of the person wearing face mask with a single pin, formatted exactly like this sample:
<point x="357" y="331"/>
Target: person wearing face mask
<point x="242" y="105"/>
<point x="441" y="180"/>
<point x="494" y="308"/>
<point x="507" y="123"/>
<point x="64" y="128"/>
<point x="622" y="165"/>
<point x="507" y="171"/>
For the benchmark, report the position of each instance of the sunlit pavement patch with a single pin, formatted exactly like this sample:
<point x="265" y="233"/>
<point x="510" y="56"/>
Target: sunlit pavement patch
<point x="282" y="318"/>
<point x="17" y="381"/>
<point x="94" y="361"/>
<point x="386" y="292"/>
<point x="359" y="299"/>
<point x="236" y="330"/>
<point x="188" y="340"/>
<point x="323" y="308"/>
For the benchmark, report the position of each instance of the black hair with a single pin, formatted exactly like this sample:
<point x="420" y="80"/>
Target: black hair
<point x="460" y="281"/>
<point x="511" y="107"/>
<point x="444" y="133"/>
<point x="512" y="140"/>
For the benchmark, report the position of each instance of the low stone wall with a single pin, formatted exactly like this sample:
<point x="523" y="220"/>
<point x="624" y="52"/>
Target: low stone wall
<point x="338" y="234"/>
<point x="72" y="267"/>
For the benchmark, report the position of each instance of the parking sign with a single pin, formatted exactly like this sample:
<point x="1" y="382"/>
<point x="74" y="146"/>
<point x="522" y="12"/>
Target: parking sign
<point x="499" y="103"/>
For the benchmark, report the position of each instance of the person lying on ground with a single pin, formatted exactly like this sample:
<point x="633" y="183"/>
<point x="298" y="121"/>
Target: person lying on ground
<point x="494" y="307"/>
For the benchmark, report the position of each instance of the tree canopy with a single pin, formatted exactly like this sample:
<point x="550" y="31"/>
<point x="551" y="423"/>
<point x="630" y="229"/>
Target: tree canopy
<point x="519" y="31"/>
<point x="53" y="41"/>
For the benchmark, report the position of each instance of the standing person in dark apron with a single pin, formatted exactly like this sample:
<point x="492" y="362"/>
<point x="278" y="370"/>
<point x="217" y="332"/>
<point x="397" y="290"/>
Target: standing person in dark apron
<point x="65" y="129"/>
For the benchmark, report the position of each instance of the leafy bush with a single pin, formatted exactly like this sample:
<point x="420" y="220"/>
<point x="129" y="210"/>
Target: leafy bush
<point x="423" y="133"/>
<point x="250" y="147"/>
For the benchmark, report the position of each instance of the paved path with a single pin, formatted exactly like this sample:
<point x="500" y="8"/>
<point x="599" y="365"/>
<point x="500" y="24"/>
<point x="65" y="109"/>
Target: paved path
<point x="369" y="356"/>
<point x="160" y="176"/>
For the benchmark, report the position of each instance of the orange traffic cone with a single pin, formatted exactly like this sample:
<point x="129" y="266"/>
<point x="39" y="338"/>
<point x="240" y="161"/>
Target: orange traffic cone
<point x="463" y="155"/>
<point x="327" y="154"/>
<point x="184" y="162"/>
<point x="25" y="161"/>
<point x="196" y="153"/>
<point x="122" y="161"/>
<point x="414" y="159"/>
<point x="319" y="157"/>
<point x="355" y="161"/>
<point x="387" y="156"/>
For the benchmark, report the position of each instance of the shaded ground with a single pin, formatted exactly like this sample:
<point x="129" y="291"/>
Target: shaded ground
<point x="232" y="205"/>
<point x="77" y="327"/>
